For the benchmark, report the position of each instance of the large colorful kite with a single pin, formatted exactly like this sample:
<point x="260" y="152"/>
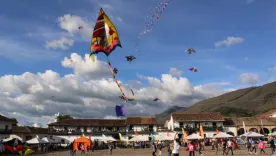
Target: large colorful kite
<point x="105" y="39"/>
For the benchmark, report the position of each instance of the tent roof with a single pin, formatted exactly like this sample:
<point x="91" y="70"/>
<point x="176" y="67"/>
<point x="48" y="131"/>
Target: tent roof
<point x="194" y="137"/>
<point x="252" y="134"/>
<point x="139" y="138"/>
<point x="223" y="135"/>
<point x="36" y="141"/>
<point x="82" y="140"/>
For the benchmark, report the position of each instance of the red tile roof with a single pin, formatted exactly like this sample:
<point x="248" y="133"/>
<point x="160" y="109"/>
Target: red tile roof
<point x="202" y="116"/>
<point x="269" y="113"/>
<point x="141" y="120"/>
<point x="91" y="122"/>
<point x="5" y="119"/>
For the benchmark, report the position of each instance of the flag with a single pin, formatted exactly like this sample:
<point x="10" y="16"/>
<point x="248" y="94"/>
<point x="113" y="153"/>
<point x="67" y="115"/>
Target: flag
<point x="184" y="136"/>
<point x="120" y="136"/>
<point x="217" y="131"/>
<point x="168" y="133"/>
<point x="83" y="135"/>
<point x="28" y="151"/>
<point x="136" y="133"/>
<point x="201" y="132"/>
<point x="244" y="127"/>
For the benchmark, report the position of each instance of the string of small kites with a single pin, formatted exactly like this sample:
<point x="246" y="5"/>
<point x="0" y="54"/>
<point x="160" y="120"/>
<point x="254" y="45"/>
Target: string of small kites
<point x="105" y="39"/>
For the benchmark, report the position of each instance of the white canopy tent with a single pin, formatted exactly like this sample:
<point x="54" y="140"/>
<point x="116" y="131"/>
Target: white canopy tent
<point x="252" y="134"/>
<point x="273" y="134"/>
<point x="50" y="140"/>
<point x="194" y="137"/>
<point x="36" y="141"/>
<point x="140" y="138"/>
<point x="223" y="135"/>
<point x="163" y="137"/>
<point x="108" y="139"/>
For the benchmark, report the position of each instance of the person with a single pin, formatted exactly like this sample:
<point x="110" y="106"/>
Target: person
<point x="216" y="145"/>
<point x="110" y="149"/>
<point x="169" y="151"/>
<point x="261" y="146"/>
<point x="82" y="149"/>
<point x="200" y="148"/>
<point x="153" y="146"/>
<point x="248" y="144"/>
<point x="191" y="149"/>
<point x="253" y="146"/>
<point x="160" y="148"/>
<point x="224" y="145"/>
<point x="230" y="147"/>
<point x="272" y="146"/>
<point x="176" y="146"/>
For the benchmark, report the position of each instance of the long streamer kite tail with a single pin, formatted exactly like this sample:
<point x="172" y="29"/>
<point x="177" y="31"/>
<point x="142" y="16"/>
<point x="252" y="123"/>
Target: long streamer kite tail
<point x="114" y="76"/>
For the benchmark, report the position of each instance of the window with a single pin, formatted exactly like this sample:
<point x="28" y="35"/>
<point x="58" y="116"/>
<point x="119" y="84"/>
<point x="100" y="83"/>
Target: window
<point x="214" y="124"/>
<point x="130" y="127"/>
<point x="181" y="124"/>
<point x="6" y="127"/>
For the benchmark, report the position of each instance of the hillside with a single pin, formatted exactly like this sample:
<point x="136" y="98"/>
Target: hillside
<point x="162" y="117"/>
<point x="244" y="102"/>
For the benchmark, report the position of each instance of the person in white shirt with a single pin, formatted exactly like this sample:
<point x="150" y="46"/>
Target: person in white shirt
<point x="176" y="146"/>
<point x="230" y="147"/>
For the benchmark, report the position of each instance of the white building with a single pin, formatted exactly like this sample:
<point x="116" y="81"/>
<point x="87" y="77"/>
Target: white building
<point x="141" y="124"/>
<point x="210" y="121"/>
<point x="6" y="126"/>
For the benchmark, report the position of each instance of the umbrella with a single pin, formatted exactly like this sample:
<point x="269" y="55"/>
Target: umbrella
<point x="223" y="135"/>
<point x="194" y="137"/>
<point x="252" y="134"/>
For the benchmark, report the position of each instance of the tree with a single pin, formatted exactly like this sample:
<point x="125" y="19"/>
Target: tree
<point x="63" y="117"/>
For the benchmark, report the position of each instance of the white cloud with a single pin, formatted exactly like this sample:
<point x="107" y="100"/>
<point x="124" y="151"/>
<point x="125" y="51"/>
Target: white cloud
<point x="249" y="78"/>
<point x="229" y="41"/>
<point x="86" y="93"/>
<point x="175" y="72"/>
<point x="36" y="125"/>
<point x="272" y="69"/>
<point x="246" y="59"/>
<point x="71" y="24"/>
<point x="62" y="43"/>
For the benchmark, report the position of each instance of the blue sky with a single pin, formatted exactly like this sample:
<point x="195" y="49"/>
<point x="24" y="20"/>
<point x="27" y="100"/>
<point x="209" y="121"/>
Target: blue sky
<point x="243" y="31"/>
<point x="184" y="24"/>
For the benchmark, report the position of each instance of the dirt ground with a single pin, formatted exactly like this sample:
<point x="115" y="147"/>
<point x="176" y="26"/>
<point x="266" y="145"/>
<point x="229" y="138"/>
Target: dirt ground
<point x="147" y="152"/>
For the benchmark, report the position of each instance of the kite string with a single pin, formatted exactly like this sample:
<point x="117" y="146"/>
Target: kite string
<point x="113" y="75"/>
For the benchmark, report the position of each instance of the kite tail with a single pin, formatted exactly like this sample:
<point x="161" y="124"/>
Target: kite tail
<point x="133" y="96"/>
<point x="113" y="74"/>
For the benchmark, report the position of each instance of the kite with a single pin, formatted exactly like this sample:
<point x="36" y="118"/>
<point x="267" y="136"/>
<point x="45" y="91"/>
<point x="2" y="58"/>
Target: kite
<point x="80" y="27"/>
<point x="130" y="58"/>
<point x="193" y="69"/>
<point x="133" y="96"/>
<point x="156" y="99"/>
<point x="151" y="18"/>
<point x="105" y="39"/>
<point x="120" y="110"/>
<point x="190" y="51"/>
<point x="115" y="70"/>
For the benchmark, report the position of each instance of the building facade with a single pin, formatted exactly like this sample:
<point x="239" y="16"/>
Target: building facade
<point x="143" y="125"/>
<point x="257" y="124"/>
<point x="6" y="126"/>
<point x="210" y="121"/>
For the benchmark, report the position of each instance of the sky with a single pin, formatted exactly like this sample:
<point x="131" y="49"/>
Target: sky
<point x="233" y="40"/>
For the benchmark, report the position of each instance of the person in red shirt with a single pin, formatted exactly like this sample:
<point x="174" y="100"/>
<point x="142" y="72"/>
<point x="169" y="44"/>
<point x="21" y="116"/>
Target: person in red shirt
<point x="191" y="149"/>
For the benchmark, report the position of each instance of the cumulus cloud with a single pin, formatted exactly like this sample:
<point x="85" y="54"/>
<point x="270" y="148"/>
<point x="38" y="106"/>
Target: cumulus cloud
<point x="229" y="41"/>
<point x="71" y="24"/>
<point x="175" y="72"/>
<point x="35" y="97"/>
<point x="272" y="69"/>
<point x="62" y="43"/>
<point x="249" y="78"/>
